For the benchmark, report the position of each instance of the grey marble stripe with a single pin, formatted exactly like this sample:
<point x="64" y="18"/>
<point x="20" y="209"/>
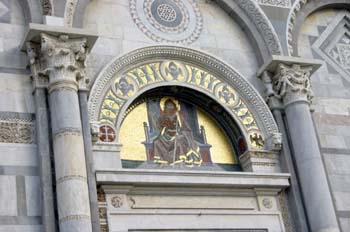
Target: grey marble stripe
<point x="19" y="220"/>
<point x="14" y="71"/>
<point x="343" y="214"/>
<point x="21" y="196"/>
<point x="16" y="116"/>
<point x="335" y="151"/>
<point x="19" y="170"/>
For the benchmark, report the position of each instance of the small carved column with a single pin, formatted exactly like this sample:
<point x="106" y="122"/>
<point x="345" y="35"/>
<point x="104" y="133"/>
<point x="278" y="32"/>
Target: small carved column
<point x="63" y="60"/>
<point x="291" y="84"/>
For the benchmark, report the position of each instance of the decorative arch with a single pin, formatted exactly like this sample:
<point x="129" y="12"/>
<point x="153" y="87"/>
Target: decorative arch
<point x="301" y="9"/>
<point x="145" y="69"/>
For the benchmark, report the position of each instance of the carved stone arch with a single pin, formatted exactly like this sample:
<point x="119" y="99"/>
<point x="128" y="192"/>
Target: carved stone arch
<point x="256" y="24"/>
<point x="301" y="9"/>
<point x="247" y="102"/>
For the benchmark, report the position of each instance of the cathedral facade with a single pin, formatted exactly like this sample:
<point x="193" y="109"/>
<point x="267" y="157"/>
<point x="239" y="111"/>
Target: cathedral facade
<point x="175" y="115"/>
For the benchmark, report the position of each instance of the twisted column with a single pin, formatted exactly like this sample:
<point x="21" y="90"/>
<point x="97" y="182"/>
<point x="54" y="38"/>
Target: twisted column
<point x="63" y="62"/>
<point x="291" y="84"/>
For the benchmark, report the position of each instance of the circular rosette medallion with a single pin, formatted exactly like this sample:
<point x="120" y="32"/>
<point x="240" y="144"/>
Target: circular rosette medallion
<point x="174" y="71"/>
<point x="124" y="86"/>
<point x="226" y="94"/>
<point x="167" y="20"/>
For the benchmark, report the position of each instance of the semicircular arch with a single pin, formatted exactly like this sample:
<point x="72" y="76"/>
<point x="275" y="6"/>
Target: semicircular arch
<point x="151" y="67"/>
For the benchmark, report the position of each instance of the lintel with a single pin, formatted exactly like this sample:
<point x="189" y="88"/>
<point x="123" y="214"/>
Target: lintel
<point x="192" y="178"/>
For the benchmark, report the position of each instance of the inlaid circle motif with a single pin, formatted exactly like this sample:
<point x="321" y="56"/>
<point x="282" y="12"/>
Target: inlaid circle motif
<point x="176" y="21"/>
<point x="166" y="13"/>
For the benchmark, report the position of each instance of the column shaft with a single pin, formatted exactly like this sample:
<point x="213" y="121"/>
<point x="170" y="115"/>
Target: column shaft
<point x="315" y="189"/>
<point x="64" y="65"/>
<point x="89" y="161"/>
<point x="45" y="169"/>
<point x="295" y="200"/>
<point x="70" y="166"/>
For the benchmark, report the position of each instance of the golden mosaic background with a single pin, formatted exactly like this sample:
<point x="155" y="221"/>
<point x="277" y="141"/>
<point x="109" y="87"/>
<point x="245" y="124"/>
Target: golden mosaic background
<point x="132" y="134"/>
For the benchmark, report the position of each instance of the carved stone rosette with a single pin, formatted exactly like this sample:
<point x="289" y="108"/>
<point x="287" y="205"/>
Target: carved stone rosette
<point x="292" y="83"/>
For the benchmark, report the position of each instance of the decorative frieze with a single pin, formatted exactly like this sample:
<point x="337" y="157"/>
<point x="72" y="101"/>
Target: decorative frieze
<point x="15" y="132"/>
<point x="17" y="128"/>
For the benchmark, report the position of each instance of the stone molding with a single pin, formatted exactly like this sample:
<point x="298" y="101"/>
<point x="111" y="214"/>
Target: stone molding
<point x="218" y="68"/>
<point x="70" y="11"/>
<point x="185" y="178"/>
<point x="298" y="4"/>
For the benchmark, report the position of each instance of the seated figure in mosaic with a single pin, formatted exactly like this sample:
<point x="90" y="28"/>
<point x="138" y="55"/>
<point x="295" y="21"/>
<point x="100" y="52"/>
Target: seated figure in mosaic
<point x="175" y="143"/>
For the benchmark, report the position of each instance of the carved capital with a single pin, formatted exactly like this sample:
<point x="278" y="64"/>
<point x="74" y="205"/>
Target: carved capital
<point x="287" y="80"/>
<point x="38" y="79"/>
<point x="63" y="60"/>
<point x="271" y="97"/>
<point x="291" y="83"/>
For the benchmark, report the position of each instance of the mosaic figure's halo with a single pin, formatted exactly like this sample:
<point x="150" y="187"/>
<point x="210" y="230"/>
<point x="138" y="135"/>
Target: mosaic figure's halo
<point x="164" y="99"/>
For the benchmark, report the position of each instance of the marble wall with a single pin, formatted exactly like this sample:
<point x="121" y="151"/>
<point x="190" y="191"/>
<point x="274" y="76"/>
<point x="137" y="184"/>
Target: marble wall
<point x="20" y="202"/>
<point x="118" y="34"/>
<point x="331" y="87"/>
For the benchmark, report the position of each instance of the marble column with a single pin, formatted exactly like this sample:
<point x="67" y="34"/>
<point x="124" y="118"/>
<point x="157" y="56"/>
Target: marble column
<point x="43" y="139"/>
<point x="295" y="200"/>
<point x="63" y="62"/>
<point x="291" y="83"/>
<point x="95" y="219"/>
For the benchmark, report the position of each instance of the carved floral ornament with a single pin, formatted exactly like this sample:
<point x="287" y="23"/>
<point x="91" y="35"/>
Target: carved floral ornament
<point x="118" y="86"/>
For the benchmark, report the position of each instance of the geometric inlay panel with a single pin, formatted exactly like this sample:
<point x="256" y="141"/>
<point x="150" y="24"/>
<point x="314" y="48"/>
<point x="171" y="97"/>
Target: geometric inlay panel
<point x="333" y="45"/>
<point x="177" y="21"/>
